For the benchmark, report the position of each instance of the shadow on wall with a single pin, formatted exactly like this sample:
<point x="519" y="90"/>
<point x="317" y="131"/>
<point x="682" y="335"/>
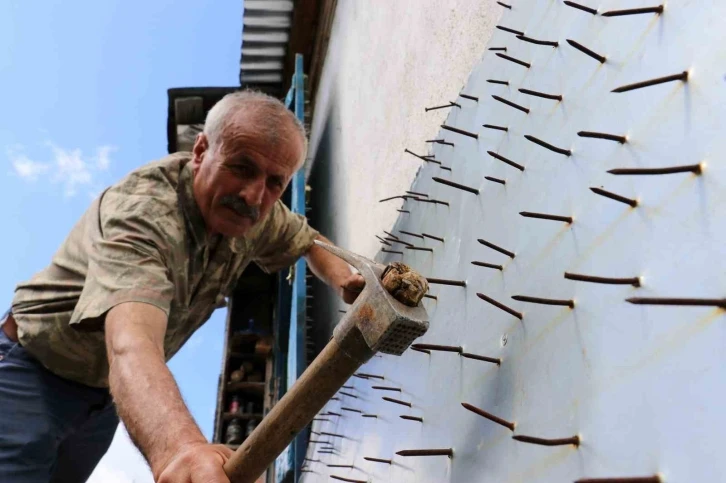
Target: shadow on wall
<point x="328" y="217"/>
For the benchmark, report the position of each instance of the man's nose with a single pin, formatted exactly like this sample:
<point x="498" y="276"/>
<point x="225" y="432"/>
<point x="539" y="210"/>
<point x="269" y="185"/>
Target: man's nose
<point x="253" y="192"/>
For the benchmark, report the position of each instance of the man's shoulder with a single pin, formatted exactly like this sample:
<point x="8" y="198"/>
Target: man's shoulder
<point x="158" y="178"/>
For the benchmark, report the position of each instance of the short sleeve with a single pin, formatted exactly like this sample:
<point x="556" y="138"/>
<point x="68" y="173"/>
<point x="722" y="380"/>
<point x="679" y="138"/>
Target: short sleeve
<point x="128" y="255"/>
<point x="285" y="237"/>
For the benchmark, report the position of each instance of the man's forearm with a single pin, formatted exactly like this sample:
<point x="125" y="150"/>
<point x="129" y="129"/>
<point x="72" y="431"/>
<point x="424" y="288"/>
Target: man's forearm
<point x="150" y="404"/>
<point x="326" y="266"/>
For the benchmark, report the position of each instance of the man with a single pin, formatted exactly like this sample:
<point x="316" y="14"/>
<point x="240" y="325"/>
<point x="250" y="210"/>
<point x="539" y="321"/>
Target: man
<point x="145" y="267"/>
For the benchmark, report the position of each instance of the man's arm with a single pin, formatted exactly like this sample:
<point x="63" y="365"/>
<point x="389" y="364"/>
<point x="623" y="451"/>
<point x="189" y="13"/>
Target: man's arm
<point x="334" y="271"/>
<point x="149" y="402"/>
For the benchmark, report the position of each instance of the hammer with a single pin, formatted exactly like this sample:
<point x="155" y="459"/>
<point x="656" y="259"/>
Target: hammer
<point x="376" y="322"/>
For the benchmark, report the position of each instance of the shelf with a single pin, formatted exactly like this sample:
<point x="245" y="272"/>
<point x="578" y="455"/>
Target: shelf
<point x="243" y="416"/>
<point x="253" y="387"/>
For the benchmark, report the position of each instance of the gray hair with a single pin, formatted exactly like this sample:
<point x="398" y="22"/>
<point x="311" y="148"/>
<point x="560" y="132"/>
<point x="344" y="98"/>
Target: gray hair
<point x="274" y="116"/>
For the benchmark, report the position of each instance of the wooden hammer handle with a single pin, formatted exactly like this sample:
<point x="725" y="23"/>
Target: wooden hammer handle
<point x="320" y="381"/>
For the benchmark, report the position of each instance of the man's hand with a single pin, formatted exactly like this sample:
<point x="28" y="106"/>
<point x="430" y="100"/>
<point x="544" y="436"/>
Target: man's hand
<point x="197" y="463"/>
<point x="351" y="287"/>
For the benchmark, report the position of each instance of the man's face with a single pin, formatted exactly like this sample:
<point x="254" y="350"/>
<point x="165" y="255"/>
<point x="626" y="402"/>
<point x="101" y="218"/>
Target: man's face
<point x="237" y="182"/>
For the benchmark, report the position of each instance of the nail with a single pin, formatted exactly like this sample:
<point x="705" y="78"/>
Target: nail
<point x="512" y="31"/>
<point x="315" y="441"/>
<point x="441" y="281"/>
<point x="496" y="180"/>
<point x="340" y="466"/>
<point x="587" y="51"/>
<point x="501" y="49"/>
<point x="436" y="202"/>
<point x="450" y="104"/>
<point x="372" y="376"/>
<point x="632" y="479"/>
<point x="691" y="168"/>
<point x="505" y="5"/>
<point x="397" y="401"/>
<point x="370" y="416"/>
<point x="499" y="305"/>
<point x="335" y="399"/>
<point x="434" y="347"/>
<point x="494" y="247"/>
<point x="377" y="460"/>
<point x="330" y="451"/>
<point x="422" y="157"/>
<point x="678" y="301"/>
<point x="426" y="452"/>
<point x="333" y="435"/>
<point x="488" y="265"/>
<point x="467" y="96"/>
<point x="331" y="413"/>
<point x="493" y="81"/>
<point x="411" y="234"/>
<point x="602" y="135"/>
<point x="312" y="461"/>
<point x="440" y="141"/>
<point x="508" y="161"/>
<point x="391" y="251"/>
<point x="460" y="131"/>
<point x="431" y="296"/>
<point x="516" y="61"/>
<point x="352" y="410"/>
<point x="613" y="196"/>
<point x="386" y="388"/>
<point x="433" y="237"/>
<point x="548" y="442"/>
<point x="399" y="241"/>
<point x="383" y="241"/>
<point x="538" y="300"/>
<point x="555" y="97"/>
<point x="633" y="11"/>
<point x="445" y="167"/>
<point x="412" y="418"/>
<point x="535" y="140"/>
<point x="512" y="104"/>
<point x="581" y="7"/>
<point x="392" y="198"/>
<point x="544" y="216"/>
<point x="492" y="126"/>
<point x="455" y="185"/>
<point x="404" y="211"/>
<point x="391" y="234"/>
<point x="489" y="416"/>
<point x="321" y="419"/>
<point x="348" y="479"/>
<point x="421" y="249"/>
<point x="411" y="193"/>
<point x="348" y="394"/>
<point x="683" y="76"/>
<point x="421" y="350"/>
<point x="634" y="281"/>
<point x="476" y="357"/>
<point x="538" y="42"/>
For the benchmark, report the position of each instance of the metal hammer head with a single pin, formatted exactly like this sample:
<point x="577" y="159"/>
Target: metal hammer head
<point x="385" y="324"/>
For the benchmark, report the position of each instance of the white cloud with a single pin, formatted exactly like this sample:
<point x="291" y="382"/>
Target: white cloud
<point x="68" y="167"/>
<point x="123" y="463"/>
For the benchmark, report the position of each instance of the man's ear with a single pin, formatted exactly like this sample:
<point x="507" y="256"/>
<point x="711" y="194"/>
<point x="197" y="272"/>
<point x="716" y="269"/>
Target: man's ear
<point x="201" y="144"/>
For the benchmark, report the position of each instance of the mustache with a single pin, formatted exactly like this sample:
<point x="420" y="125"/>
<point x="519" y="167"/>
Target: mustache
<point x="241" y="207"/>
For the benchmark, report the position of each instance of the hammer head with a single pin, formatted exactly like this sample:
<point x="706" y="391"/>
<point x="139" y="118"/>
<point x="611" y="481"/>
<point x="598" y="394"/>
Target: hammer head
<point x="384" y="323"/>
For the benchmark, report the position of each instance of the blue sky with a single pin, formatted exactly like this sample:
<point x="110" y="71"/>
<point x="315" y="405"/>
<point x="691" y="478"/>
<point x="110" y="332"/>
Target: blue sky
<point x="84" y="102"/>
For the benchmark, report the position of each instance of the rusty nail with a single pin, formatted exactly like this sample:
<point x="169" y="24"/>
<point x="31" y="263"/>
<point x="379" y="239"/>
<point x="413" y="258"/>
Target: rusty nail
<point x="548" y="442"/>
<point x="538" y="42"/>
<point x="445" y="167"/>
<point x="370" y="416"/>
<point x="500" y="49"/>
<point x="383" y="241"/>
<point x="352" y="410"/>
<point x="544" y="216"/>
<point x="512" y="104"/>
<point x="500" y="306"/>
<point x="335" y="399"/>
<point x="372" y="376"/>
<point x="549" y="146"/>
<point x="441" y="281"/>
<point x="440" y="141"/>
<point x="334" y="435"/>
<point x="421" y="249"/>
<point x="494" y="81"/>
<point x="426" y="452"/>
<point x="633" y="11"/>
<point x="492" y="126"/>
<point x="602" y="135"/>
<point x="516" y="61"/>
<point x="505" y="160"/>
<point x="424" y="158"/>
<point x="347" y="479"/>
<point x="435" y="347"/>
<point x="421" y="350"/>
<point x="496" y="180"/>
<point x="488" y="265"/>
<point x="411" y="193"/>
<point x="616" y="197"/>
<point x="691" y="168"/>
<point x="391" y="234"/>
<point x="556" y="97"/>
<point x="397" y="401"/>
<point x="321" y="419"/>
<point x="512" y="31"/>
<point x="505" y="5"/>
<point x="455" y="185"/>
<point x="495" y="247"/>
<point x="433" y="237"/>
<point x="391" y="251"/>
<point x="412" y="418"/>
<point x="377" y="460"/>
<point x="632" y="479"/>
<point x="386" y="388"/>
<point x="315" y="441"/>
<point x="471" y="98"/>
<point x="489" y="416"/>
<point x="543" y="301"/>
<point x="450" y="104"/>
<point x="460" y="131"/>
<point x="404" y="211"/>
<point x="340" y="466"/>
<point x="331" y="413"/>
<point x="411" y="234"/>
<point x="587" y="51"/>
<point x="392" y="198"/>
<point x="678" y="301"/>
<point x="431" y="296"/>
<point x="683" y="76"/>
<point x="476" y="357"/>
<point x="348" y="394"/>
<point x="634" y="281"/>
<point x="581" y="7"/>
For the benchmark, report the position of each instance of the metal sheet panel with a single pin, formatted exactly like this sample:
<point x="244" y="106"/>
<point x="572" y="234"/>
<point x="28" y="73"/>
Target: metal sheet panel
<point x="640" y="385"/>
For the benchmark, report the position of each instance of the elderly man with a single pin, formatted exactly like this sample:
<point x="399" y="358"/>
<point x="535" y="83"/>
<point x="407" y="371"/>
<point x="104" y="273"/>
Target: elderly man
<point x="145" y="266"/>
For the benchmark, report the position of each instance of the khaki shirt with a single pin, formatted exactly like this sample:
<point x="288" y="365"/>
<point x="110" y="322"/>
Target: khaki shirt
<point x="143" y="240"/>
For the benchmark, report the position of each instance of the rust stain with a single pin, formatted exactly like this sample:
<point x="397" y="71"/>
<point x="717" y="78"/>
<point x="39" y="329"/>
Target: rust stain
<point x="366" y="312"/>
